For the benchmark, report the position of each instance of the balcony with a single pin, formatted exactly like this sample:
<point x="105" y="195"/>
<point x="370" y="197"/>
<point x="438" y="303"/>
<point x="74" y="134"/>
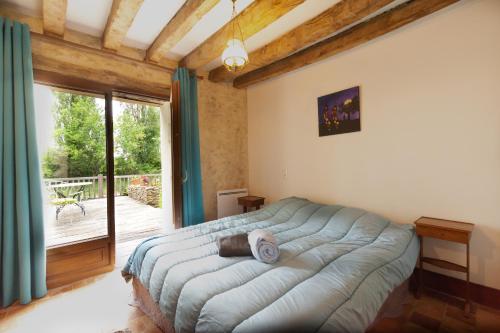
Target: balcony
<point x="84" y="215"/>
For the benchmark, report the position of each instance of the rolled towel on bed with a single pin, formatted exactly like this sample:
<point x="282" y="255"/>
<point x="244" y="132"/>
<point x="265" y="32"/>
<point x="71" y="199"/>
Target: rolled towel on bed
<point x="234" y="245"/>
<point x="264" y="246"/>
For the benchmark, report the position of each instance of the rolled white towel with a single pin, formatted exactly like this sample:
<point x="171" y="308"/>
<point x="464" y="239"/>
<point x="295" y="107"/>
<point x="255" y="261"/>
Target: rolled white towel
<point x="263" y="245"/>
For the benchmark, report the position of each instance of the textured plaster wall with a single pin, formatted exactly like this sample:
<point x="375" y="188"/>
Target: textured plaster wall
<point x="222" y="112"/>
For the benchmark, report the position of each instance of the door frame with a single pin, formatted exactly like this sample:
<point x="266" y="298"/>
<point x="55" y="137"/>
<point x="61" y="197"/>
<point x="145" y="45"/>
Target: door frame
<point x="75" y="261"/>
<point x="176" y="154"/>
<point x="71" y="262"/>
<point x="110" y="179"/>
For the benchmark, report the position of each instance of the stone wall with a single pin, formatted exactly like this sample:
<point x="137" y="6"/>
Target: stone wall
<point x="150" y="195"/>
<point x="222" y="114"/>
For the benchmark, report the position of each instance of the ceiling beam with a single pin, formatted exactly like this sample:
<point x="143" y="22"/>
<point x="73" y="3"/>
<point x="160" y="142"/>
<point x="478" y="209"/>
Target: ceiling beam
<point x="36" y="26"/>
<point x="54" y="16"/>
<point x="119" y="21"/>
<point x="252" y="19"/>
<point x="184" y="20"/>
<point x="337" y="17"/>
<point x="357" y="35"/>
<point x="75" y="62"/>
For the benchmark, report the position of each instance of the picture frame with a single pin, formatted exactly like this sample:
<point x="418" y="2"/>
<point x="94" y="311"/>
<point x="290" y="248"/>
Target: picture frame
<point x="339" y="112"/>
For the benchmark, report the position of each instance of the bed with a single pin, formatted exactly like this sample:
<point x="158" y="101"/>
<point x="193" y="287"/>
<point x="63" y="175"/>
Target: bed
<point x="337" y="267"/>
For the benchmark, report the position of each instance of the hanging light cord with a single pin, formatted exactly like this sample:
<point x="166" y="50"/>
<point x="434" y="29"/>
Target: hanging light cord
<point x="235" y="55"/>
<point x="235" y="21"/>
<point x="233" y="17"/>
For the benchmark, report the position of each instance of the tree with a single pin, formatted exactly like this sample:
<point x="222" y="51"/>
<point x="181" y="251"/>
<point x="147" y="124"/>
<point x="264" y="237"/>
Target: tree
<point x="137" y="140"/>
<point x="80" y="138"/>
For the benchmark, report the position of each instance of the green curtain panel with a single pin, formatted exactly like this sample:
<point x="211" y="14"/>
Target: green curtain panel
<point x="192" y="196"/>
<point x="22" y="248"/>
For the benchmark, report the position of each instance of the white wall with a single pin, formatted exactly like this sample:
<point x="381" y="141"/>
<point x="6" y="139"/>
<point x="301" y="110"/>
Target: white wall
<point x="430" y="138"/>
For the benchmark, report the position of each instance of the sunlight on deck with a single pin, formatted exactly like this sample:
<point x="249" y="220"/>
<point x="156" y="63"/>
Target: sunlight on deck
<point x="134" y="220"/>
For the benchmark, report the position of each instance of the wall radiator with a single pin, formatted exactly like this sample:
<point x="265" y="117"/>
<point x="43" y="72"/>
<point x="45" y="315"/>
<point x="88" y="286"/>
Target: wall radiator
<point x="227" y="202"/>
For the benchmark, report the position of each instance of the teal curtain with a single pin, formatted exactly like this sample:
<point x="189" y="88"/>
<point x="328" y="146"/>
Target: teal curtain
<point x="192" y="196"/>
<point x="22" y="248"/>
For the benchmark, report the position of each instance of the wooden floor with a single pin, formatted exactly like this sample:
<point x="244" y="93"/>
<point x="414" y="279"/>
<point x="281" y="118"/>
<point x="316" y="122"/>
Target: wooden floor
<point x="133" y="220"/>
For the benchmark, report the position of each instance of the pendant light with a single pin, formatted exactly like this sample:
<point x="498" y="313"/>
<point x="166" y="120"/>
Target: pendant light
<point x="235" y="57"/>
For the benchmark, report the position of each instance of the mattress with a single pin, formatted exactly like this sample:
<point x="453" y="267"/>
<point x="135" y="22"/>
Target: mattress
<point x="337" y="266"/>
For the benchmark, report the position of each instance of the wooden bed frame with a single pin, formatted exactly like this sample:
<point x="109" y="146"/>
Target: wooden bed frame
<point x="392" y="307"/>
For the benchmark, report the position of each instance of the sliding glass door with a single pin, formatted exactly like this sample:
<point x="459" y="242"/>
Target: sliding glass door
<point x="141" y="186"/>
<point x="106" y="162"/>
<point x="76" y="150"/>
<point x="73" y="154"/>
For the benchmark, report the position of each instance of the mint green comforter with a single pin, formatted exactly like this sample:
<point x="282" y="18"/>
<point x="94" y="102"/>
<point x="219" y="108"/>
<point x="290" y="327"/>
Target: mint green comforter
<point x="337" y="266"/>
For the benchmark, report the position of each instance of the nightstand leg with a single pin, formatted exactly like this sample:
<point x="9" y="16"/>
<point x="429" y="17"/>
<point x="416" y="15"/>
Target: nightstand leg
<point x="468" y="308"/>
<point x="245" y="209"/>
<point x="421" y="268"/>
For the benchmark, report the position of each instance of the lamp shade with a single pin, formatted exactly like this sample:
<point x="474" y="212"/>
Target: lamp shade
<point x="234" y="56"/>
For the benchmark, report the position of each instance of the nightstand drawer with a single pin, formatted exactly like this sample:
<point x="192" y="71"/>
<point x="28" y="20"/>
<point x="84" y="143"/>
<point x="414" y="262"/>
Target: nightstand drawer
<point x="444" y="234"/>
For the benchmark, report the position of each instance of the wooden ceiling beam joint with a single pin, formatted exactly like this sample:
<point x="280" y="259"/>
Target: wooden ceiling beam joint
<point x="184" y="20"/>
<point x="79" y="38"/>
<point x="54" y="16"/>
<point x="335" y="18"/>
<point x="252" y="19"/>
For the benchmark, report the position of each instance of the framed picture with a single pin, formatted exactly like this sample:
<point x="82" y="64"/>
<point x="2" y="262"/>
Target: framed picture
<point x="339" y="112"/>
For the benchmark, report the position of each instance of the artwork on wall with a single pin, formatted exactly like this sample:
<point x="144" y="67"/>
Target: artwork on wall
<point x="339" y="112"/>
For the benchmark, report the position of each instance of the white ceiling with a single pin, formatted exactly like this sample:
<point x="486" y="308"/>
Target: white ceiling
<point x="90" y="16"/>
<point x="150" y="20"/>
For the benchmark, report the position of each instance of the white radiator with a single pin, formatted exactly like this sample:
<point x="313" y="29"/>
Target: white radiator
<point x="227" y="202"/>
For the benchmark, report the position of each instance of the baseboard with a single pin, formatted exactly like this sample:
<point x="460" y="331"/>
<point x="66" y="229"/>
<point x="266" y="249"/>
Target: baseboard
<point x="452" y="286"/>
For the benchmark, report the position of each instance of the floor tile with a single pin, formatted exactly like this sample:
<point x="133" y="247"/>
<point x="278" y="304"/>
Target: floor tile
<point x="451" y="325"/>
<point x="430" y="307"/>
<point x="410" y="327"/>
<point x="460" y="315"/>
<point x="425" y="321"/>
<point x="387" y="325"/>
<point x="487" y="320"/>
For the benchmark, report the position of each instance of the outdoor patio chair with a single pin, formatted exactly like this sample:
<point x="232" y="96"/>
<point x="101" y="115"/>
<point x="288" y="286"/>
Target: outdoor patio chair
<point x="72" y="199"/>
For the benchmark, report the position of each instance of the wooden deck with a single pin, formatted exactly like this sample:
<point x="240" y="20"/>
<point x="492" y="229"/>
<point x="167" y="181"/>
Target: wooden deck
<point x="134" y="220"/>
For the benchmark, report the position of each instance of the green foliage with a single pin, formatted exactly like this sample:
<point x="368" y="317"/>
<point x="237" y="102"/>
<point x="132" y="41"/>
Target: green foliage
<point x="79" y="135"/>
<point x="54" y="163"/>
<point x="80" y="139"/>
<point x="137" y="140"/>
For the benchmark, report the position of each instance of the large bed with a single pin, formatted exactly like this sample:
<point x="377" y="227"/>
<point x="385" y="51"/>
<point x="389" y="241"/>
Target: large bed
<point x="336" y="269"/>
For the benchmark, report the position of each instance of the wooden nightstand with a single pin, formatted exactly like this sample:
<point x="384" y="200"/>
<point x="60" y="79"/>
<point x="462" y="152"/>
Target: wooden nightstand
<point x="250" y="201"/>
<point x="453" y="231"/>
